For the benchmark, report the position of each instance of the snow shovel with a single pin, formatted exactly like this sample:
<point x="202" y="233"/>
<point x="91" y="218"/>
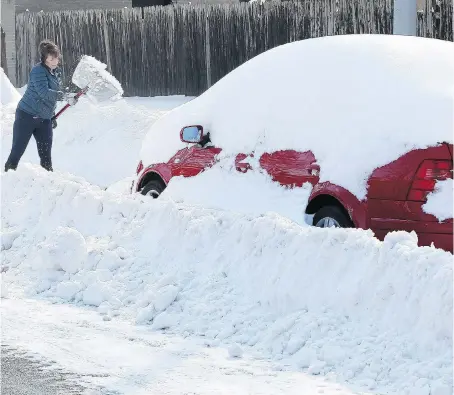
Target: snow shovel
<point x="94" y="81"/>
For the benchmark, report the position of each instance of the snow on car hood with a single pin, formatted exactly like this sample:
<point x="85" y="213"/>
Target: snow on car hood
<point x="357" y="102"/>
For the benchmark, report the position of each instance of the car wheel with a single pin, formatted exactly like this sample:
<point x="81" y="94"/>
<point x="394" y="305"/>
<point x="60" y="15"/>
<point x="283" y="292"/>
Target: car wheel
<point x="331" y="216"/>
<point x="153" y="188"/>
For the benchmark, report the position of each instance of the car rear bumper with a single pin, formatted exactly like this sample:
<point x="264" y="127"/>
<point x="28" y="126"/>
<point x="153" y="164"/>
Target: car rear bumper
<point x="440" y="240"/>
<point x="440" y="234"/>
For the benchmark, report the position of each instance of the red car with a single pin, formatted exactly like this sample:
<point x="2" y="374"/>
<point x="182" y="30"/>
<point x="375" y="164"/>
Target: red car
<point x="365" y="119"/>
<point x="396" y="191"/>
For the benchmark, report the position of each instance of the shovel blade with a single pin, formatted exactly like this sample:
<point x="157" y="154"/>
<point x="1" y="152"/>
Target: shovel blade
<point x="92" y="74"/>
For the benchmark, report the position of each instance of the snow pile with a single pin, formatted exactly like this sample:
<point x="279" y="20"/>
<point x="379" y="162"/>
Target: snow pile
<point x="9" y="94"/>
<point x="339" y="303"/>
<point x="111" y="356"/>
<point x="250" y="193"/>
<point x="235" y="351"/>
<point x="9" y="99"/>
<point x="440" y="202"/>
<point x="368" y="98"/>
<point x="101" y="141"/>
<point x="22" y="89"/>
<point x="102" y="85"/>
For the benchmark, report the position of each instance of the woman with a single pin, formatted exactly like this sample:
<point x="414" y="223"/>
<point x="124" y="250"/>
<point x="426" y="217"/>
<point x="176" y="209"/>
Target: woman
<point x="36" y="108"/>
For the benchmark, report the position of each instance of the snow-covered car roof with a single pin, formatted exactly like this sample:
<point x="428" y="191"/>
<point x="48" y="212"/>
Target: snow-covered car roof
<point x="357" y="102"/>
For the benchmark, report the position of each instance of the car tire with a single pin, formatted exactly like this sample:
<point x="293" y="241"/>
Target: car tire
<point x="331" y="216"/>
<point x="153" y="188"/>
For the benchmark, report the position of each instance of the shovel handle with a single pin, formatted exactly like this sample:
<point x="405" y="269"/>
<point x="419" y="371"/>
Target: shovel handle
<point x="78" y="94"/>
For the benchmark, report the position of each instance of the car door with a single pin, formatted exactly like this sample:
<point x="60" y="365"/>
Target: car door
<point x="194" y="160"/>
<point x="291" y="168"/>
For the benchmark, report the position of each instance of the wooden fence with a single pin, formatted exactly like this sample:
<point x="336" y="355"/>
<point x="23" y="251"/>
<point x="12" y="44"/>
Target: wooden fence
<point x="184" y="49"/>
<point x="436" y="20"/>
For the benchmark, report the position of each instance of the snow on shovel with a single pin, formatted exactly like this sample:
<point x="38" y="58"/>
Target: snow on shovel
<point x="94" y="81"/>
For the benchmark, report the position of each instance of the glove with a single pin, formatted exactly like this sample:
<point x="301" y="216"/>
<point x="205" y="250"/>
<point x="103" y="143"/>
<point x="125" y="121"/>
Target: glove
<point x="71" y="98"/>
<point x="54" y="123"/>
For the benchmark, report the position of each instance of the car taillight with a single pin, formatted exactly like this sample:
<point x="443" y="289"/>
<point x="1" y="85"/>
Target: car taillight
<point x="139" y="167"/>
<point x="428" y="173"/>
<point x="434" y="170"/>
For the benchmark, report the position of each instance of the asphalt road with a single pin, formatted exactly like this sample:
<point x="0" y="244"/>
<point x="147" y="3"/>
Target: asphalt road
<point x="21" y="375"/>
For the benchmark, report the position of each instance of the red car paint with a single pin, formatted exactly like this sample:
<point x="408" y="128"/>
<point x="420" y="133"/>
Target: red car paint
<point x="356" y="209"/>
<point x="396" y="191"/>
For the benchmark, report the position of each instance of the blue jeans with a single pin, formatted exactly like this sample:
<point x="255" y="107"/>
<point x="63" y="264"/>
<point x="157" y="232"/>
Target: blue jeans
<point x="25" y="125"/>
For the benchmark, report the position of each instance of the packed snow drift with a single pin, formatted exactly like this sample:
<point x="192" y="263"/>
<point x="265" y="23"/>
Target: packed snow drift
<point x="108" y="356"/>
<point x="223" y="188"/>
<point x="376" y="315"/>
<point x="9" y="95"/>
<point x="357" y="102"/>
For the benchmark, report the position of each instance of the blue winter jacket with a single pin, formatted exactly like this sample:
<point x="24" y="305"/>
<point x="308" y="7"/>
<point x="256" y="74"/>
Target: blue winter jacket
<point x="42" y="93"/>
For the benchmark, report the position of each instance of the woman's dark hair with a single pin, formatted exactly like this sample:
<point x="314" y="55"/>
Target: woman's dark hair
<point x="47" y="48"/>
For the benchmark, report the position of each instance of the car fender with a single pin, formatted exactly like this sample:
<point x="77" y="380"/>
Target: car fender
<point x="355" y="208"/>
<point x="161" y="169"/>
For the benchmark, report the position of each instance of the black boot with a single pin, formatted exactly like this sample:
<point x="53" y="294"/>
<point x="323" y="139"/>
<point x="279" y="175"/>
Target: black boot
<point x="9" y="166"/>
<point x="47" y="166"/>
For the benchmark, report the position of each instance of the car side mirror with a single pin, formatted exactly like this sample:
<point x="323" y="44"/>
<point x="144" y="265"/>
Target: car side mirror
<point x="191" y="134"/>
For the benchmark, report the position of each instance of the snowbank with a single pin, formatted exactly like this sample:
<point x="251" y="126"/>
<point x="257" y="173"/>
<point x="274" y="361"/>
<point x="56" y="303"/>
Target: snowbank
<point x="8" y="100"/>
<point x="340" y="303"/>
<point x="440" y="202"/>
<point x="9" y="94"/>
<point x="251" y="193"/>
<point x="358" y="102"/>
<point x="22" y="89"/>
<point x="112" y="355"/>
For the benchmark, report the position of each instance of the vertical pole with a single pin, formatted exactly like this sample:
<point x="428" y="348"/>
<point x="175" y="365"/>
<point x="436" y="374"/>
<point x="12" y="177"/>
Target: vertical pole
<point x="405" y="17"/>
<point x="8" y="23"/>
